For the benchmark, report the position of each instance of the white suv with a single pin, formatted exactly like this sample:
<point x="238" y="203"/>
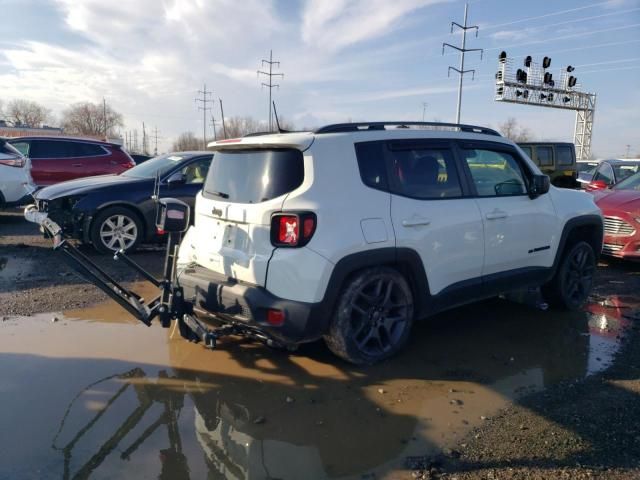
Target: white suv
<point x="16" y="183"/>
<point x="353" y="231"/>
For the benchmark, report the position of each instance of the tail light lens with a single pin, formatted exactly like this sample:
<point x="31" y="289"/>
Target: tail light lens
<point x="275" y="317"/>
<point x="11" y="161"/>
<point x="292" y="229"/>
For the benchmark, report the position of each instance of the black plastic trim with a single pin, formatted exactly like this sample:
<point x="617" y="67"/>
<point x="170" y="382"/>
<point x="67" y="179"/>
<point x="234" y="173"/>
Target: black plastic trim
<point x="369" y="126"/>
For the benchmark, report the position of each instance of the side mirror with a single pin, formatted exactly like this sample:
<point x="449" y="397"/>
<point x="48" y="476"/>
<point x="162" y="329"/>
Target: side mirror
<point x="539" y="185"/>
<point x="177" y="178"/>
<point x="172" y="216"/>
<point x="597" y="185"/>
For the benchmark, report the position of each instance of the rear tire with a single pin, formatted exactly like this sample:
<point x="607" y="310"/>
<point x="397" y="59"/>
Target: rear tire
<point x="373" y="317"/>
<point x="116" y="228"/>
<point x="570" y="287"/>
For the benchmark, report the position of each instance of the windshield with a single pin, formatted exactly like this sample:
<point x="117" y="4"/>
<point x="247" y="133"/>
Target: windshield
<point x="629" y="183"/>
<point x="253" y="176"/>
<point x="156" y="166"/>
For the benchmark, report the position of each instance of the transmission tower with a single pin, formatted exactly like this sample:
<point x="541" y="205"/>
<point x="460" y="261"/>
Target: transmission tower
<point x="462" y="49"/>
<point x="270" y="85"/>
<point x="155" y="141"/>
<point x="204" y="101"/>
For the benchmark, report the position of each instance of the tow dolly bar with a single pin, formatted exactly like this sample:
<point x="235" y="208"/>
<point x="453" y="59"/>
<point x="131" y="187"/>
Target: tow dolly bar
<point x="173" y="219"/>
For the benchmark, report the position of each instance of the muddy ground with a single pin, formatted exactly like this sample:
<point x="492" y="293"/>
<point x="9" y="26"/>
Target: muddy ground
<point x="496" y="390"/>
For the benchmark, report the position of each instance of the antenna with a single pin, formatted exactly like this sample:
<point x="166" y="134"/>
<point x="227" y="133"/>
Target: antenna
<point x="275" y="114"/>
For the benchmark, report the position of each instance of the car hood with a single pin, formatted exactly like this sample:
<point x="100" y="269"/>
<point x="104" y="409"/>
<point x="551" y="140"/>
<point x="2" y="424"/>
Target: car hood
<point x="82" y="186"/>
<point x="625" y="200"/>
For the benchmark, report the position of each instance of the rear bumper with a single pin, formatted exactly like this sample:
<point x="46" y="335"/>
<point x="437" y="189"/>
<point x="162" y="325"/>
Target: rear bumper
<point x="233" y="301"/>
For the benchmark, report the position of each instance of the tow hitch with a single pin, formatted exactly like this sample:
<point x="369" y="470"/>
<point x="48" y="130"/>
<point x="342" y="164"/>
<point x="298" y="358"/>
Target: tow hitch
<point x="173" y="219"/>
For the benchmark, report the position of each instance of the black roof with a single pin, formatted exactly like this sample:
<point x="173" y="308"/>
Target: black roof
<point x="368" y="126"/>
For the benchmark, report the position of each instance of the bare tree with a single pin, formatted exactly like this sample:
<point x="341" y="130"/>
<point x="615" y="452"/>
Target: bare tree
<point x="87" y="118"/>
<point x="25" y="113"/>
<point x="515" y="132"/>
<point x="186" y="141"/>
<point x="239" y="126"/>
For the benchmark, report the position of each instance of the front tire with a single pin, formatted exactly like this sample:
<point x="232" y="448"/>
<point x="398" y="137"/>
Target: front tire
<point x="116" y="228"/>
<point x="373" y="317"/>
<point x="570" y="287"/>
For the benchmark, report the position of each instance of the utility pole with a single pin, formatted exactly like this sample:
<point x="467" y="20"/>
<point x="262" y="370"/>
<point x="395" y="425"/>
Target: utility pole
<point x="270" y="85"/>
<point x="136" y="147"/>
<point x="424" y="109"/>
<point x="461" y="71"/>
<point x="224" y="127"/>
<point x="628" y="151"/>
<point x="204" y="101"/>
<point x="213" y="124"/>
<point x="104" y="117"/>
<point x="155" y="139"/>
<point x="144" y="140"/>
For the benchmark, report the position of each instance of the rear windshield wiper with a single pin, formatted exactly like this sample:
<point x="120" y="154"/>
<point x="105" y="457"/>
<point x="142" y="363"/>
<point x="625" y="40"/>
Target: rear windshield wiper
<point x="219" y="194"/>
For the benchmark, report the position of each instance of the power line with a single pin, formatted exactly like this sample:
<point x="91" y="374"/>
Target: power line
<point x="204" y="101"/>
<point x="552" y="14"/>
<point x="155" y="141"/>
<point x="270" y="85"/>
<point x="462" y="50"/>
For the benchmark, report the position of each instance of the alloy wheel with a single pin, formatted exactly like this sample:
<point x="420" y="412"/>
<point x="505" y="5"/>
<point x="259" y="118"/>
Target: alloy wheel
<point x="118" y="232"/>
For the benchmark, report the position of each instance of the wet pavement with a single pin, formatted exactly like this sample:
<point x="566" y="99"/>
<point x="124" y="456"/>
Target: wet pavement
<point x="94" y="393"/>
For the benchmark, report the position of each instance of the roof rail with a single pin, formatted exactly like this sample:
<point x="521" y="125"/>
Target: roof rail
<point x="367" y="126"/>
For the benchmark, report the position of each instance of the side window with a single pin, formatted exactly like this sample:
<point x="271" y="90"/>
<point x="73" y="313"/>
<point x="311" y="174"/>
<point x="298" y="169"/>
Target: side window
<point x="51" y="149"/>
<point x="371" y="162"/>
<point x="604" y="173"/>
<point x="423" y="172"/>
<point x="624" y="171"/>
<point x="564" y="154"/>
<point x="22" y="147"/>
<point x="196" y="172"/>
<point x="87" y="150"/>
<point x="495" y="173"/>
<point x="545" y="156"/>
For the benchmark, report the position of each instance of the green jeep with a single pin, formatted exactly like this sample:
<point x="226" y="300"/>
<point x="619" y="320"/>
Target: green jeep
<point x="556" y="159"/>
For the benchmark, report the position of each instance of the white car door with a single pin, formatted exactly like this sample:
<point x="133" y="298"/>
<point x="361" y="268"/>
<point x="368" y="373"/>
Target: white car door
<point x="519" y="231"/>
<point x="431" y="215"/>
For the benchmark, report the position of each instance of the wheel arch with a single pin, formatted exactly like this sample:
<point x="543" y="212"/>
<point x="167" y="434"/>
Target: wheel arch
<point x="589" y="228"/>
<point x="407" y="261"/>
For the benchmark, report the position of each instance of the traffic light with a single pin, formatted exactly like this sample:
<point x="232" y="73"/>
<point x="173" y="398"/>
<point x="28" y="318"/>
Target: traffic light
<point x="502" y="57"/>
<point x="546" y="62"/>
<point x="499" y="75"/>
<point x="500" y="90"/>
<point x="572" y="81"/>
<point x="570" y="69"/>
<point x="527" y="61"/>
<point x="521" y="76"/>
<point x="566" y="99"/>
<point x="522" y="94"/>
<point x="548" y="77"/>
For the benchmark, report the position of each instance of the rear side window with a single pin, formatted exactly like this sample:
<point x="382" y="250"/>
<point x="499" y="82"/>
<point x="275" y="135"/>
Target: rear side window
<point x="623" y="171"/>
<point x="545" y="156"/>
<point x="371" y="162"/>
<point x="87" y="150"/>
<point x="565" y="155"/>
<point x="8" y="151"/>
<point x="253" y="176"/>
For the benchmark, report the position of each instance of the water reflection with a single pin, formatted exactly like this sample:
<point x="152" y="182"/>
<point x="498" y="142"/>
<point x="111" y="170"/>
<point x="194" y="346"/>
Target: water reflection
<point x="247" y="412"/>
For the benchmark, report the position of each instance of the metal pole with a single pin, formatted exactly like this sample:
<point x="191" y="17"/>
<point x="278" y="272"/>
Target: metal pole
<point x="204" y="120"/>
<point x="270" y="86"/>
<point x="224" y="127"/>
<point x="464" y="41"/>
<point x="104" y="117"/>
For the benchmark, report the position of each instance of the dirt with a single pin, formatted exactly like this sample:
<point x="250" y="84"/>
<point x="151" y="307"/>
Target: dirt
<point x="499" y="389"/>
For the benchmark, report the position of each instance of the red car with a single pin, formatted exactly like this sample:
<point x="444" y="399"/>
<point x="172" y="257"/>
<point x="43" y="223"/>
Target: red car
<point x="620" y="206"/>
<point x="56" y="159"/>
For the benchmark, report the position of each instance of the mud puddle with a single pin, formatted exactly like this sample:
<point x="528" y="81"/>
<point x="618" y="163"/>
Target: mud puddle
<point x="96" y="394"/>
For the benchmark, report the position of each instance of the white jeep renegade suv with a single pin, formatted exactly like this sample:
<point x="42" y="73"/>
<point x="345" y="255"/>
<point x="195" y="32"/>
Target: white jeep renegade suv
<point x="353" y="231"/>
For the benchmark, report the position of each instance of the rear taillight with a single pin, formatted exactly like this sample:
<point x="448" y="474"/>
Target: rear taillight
<point x="292" y="229"/>
<point x="275" y="317"/>
<point x="13" y="162"/>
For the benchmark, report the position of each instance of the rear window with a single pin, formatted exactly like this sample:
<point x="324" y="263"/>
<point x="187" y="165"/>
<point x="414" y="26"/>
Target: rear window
<point x="565" y="155"/>
<point x="253" y="176"/>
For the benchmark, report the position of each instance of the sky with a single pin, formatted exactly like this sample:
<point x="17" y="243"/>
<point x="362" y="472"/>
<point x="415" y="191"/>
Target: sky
<point x="342" y="60"/>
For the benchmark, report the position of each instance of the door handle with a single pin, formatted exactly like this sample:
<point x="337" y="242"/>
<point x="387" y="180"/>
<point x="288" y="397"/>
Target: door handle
<point x="76" y="164"/>
<point x="496" y="214"/>
<point x="415" y="222"/>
